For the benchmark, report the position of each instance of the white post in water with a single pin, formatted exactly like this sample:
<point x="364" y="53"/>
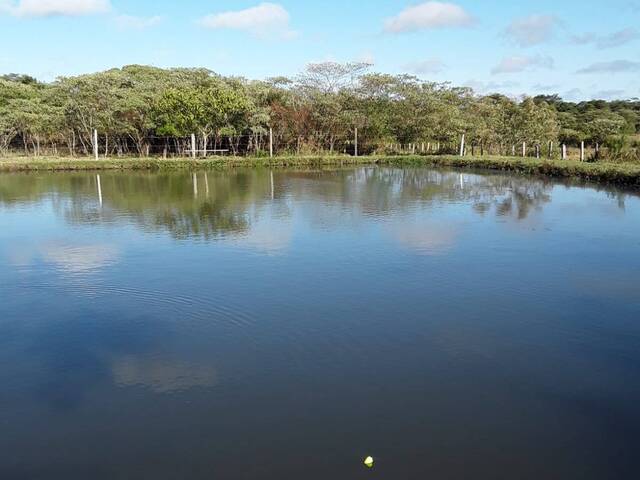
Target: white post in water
<point x="462" y="146"/>
<point x="99" y="189"/>
<point x="582" y="151"/>
<point x="193" y="145"/>
<point x="356" y="144"/>
<point x="195" y="185"/>
<point x="271" y="142"/>
<point x="206" y="184"/>
<point x="95" y="143"/>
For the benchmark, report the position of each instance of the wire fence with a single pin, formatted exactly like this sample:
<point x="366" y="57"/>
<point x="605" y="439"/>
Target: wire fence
<point x="279" y="144"/>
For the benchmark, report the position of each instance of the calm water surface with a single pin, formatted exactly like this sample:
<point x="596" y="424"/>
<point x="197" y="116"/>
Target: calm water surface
<point x="286" y="324"/>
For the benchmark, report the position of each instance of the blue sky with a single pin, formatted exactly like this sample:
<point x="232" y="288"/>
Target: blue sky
<point x="580" y="49"/>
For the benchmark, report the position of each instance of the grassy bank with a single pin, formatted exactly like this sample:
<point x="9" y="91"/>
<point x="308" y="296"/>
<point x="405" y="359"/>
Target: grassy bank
<point x="614" y="173"/>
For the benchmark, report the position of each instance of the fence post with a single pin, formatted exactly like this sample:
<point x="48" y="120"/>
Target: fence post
<point x="582" y="151"/>
<point x="524" y="149"/>
<point x="550" y="149"/>
<point x="193" y="145"/>
<point x="95" y="143"/>
<point x="462" y="146"/>
<point x="564" y="152"/>
<point x="356" y="140"/>
<point x="271" y="142"/>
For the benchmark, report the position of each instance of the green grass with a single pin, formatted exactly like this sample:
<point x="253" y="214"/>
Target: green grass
<point x="616" y="173"/>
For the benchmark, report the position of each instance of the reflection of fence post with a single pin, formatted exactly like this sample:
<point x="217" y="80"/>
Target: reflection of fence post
<point x="193" y="145"/>
<point x="462" y="146"/>
<point x="271" y="142"/>
<point x="195" y="185"/>
<point x="99" y="189"/>
<point x="582" y="151"/>
<point x="356" y="142"/>
<point x="273" y="189"/>
<point x="95" y="143"/>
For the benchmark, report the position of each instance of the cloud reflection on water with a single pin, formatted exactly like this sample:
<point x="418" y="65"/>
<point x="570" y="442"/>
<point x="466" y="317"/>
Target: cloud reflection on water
<point x="161" y="375"/>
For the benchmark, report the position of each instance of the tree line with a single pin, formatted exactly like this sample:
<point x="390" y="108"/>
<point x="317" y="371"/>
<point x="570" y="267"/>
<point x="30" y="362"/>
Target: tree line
<point x="145" y="110"/>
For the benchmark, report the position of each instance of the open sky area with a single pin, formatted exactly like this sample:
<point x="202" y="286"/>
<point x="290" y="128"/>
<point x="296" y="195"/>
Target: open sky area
<point x="579" y="49"/>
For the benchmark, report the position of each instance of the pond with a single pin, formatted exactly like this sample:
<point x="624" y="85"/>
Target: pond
<point x="286" y="324"/>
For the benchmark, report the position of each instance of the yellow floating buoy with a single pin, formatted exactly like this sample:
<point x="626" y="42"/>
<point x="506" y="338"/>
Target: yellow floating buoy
<point x="369" y="462"/>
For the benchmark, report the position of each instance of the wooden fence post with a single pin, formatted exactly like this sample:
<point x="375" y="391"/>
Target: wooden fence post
<point x="95" y="143"/>
<point x="193" y="145"/>
<point x="564" y="152"/>
<point x="462" y="146"/>
<point x="582" y="151"/>
<point x="524" y="149"/>
<point x="356" y="142"/>
<point x="271" y="142"/>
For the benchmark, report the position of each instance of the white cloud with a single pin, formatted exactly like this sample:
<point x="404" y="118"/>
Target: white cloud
<point x="428" y="15"/>
<point x="367" y="57"/>
<point x="541" y="87"/>
<point x="520" y="63"/>
<point x="429" y="66"/>
<point x="615" y="39"/>
<point x="532" y="30"/>
<point x="50" y="8"/>
<point x="610" y="95"/>
<point x="573" y="95"/>
<point x="137" y="23"/>
<point x="485" y="88"/>
<point x="264" y="19"/>
<point x="615" y="66"/>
